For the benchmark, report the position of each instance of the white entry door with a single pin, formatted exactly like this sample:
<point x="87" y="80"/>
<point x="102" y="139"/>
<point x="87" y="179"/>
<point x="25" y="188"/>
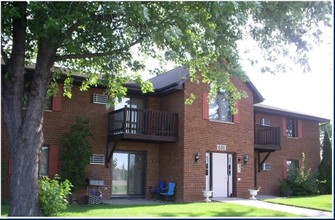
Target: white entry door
<point x="219" y="174"/>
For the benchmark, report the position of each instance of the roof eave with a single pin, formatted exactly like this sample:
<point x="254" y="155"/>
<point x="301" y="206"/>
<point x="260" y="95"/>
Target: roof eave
<point x="258" y="98"/>
<point x="290" y="114"/>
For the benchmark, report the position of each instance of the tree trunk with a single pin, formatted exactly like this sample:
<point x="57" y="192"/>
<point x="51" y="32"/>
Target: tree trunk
<point x="25" y="126"/>
<point x="24" y="152"/>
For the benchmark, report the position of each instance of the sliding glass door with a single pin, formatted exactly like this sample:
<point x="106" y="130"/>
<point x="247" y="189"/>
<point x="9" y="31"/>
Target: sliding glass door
<point x="128" y="174"/>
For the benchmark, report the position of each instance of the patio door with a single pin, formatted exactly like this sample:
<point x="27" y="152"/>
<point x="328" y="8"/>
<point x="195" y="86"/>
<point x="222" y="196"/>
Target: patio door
<point x="128" y="174"/>
<point x="219" y="174"/>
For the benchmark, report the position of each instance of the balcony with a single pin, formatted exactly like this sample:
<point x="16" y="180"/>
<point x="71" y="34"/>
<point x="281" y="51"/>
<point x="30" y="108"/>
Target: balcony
<point x="142" y="125"/>
<point x="267" y="138"/>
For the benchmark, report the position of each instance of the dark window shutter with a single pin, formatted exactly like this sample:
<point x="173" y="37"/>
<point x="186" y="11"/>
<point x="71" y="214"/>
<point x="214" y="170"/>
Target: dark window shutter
<point x="57" y="100"/>
<point x="284" y="126"/>
<point x="299" y="129"/>
<point x="205" y="106"/>
<point x="237" y="117"/>
<point x="285" y="169"/>
<point x="53" y="160"/>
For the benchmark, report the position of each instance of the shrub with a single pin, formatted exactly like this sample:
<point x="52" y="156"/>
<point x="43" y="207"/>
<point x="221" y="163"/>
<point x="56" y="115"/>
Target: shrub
<point x="76" y="153"/>
<point x="305" y="182"/>
<point x="301" y="182"/>
<point x="53" y="195"/>
<point x="284" y="189"/>
<point x="325" y="167"/>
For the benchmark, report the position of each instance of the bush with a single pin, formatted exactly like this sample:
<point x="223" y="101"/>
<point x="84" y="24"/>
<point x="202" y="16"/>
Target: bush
<point x="325" y="167"/>
<point x="284" y="189"/>
<point x="76" y="154"/>
<point x="302" y="181"/>
<point x="53" y="195"/>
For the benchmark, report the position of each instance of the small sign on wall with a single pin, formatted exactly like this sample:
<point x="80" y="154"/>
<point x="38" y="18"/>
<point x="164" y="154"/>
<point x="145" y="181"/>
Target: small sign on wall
<point x="221" y="147"/>
<point x="239" y="168"/>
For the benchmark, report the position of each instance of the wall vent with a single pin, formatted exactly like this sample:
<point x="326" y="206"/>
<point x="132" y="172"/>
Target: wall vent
<point x="100" y="99"/>
<point x="266" y="166"/>
<point x="98" y="159"/>
<point x="265" y="122"/>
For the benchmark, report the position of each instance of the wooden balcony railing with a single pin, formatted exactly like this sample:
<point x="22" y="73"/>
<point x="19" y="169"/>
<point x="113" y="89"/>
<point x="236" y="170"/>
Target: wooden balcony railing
<point x="267" y="138"/>
<point x="143" y="124"/>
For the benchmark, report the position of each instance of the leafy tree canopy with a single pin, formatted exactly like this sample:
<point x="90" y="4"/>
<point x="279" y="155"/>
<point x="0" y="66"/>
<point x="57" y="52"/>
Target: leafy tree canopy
<point x="95" y="38"/>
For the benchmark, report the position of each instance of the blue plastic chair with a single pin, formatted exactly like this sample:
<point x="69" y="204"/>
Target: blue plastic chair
<point x="170" y="192"/>
<point x="155" y="192"/>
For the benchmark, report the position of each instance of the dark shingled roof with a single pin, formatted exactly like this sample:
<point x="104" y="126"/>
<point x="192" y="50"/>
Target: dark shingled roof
<point x="288" y="113"/>
<point x="165" y="83"/>
<point x="174" y="79"/>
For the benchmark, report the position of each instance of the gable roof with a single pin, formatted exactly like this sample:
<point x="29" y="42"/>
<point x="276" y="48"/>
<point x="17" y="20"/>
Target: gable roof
<point x="170" y="79"/>
<point x="174" y="79"/>
<point x="165" y="83"/>
<point x="283" y="112"/>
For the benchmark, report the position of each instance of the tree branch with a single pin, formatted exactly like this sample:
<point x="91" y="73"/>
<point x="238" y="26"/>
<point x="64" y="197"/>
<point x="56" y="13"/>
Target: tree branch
<point x="81" y="56"/>
<point x="74" y="27"/>
<point x="92" y="55"/>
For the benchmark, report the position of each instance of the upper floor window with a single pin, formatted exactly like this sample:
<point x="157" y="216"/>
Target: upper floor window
<point x="291" y="127"/>
<point x="44" y="161"/>
<point x="219" y="109"/>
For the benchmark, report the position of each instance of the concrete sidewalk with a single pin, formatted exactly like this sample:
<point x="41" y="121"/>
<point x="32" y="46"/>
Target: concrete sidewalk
<point x="283" y="208"/>
<point x="247" y="202"/>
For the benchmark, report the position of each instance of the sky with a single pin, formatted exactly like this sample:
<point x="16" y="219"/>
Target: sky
<point x="310" y="93"/>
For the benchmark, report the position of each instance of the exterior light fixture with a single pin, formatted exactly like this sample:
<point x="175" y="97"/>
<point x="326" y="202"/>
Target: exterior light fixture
<point x="197" y="157"/>
<point x="246" y="159"/>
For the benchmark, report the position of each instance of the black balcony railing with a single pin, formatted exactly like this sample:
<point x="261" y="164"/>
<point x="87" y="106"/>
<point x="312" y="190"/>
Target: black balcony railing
<point x="143" y="124"/>
<point x="267" y="137"/>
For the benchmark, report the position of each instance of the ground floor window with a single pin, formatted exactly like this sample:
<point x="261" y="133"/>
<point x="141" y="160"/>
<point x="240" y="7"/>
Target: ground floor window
<point x="128" y="174"/>
<point x="292" y="167"/>
<point x="44" y="161"/>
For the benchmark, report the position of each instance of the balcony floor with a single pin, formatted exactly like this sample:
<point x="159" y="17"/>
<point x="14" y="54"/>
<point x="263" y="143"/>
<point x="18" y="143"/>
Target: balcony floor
<point x="266" y="148"/>
<point x="142" y="137"/>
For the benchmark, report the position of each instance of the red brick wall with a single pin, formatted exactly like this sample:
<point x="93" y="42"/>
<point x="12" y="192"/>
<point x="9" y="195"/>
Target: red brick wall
<point x="204" y="135"/>
<point x="171" y="157"/>
<point x="291" y="148"/>
<point x="56" y="124"/>
<point x="175" y="161"/>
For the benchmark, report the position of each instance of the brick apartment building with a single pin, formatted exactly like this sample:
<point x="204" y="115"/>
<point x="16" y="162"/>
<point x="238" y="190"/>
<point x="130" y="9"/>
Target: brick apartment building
<point x="155" y="136"/>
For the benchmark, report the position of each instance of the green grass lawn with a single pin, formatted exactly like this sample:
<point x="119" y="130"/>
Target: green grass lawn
<point x="214" y="209"/>
<point x="320" y="202"/>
